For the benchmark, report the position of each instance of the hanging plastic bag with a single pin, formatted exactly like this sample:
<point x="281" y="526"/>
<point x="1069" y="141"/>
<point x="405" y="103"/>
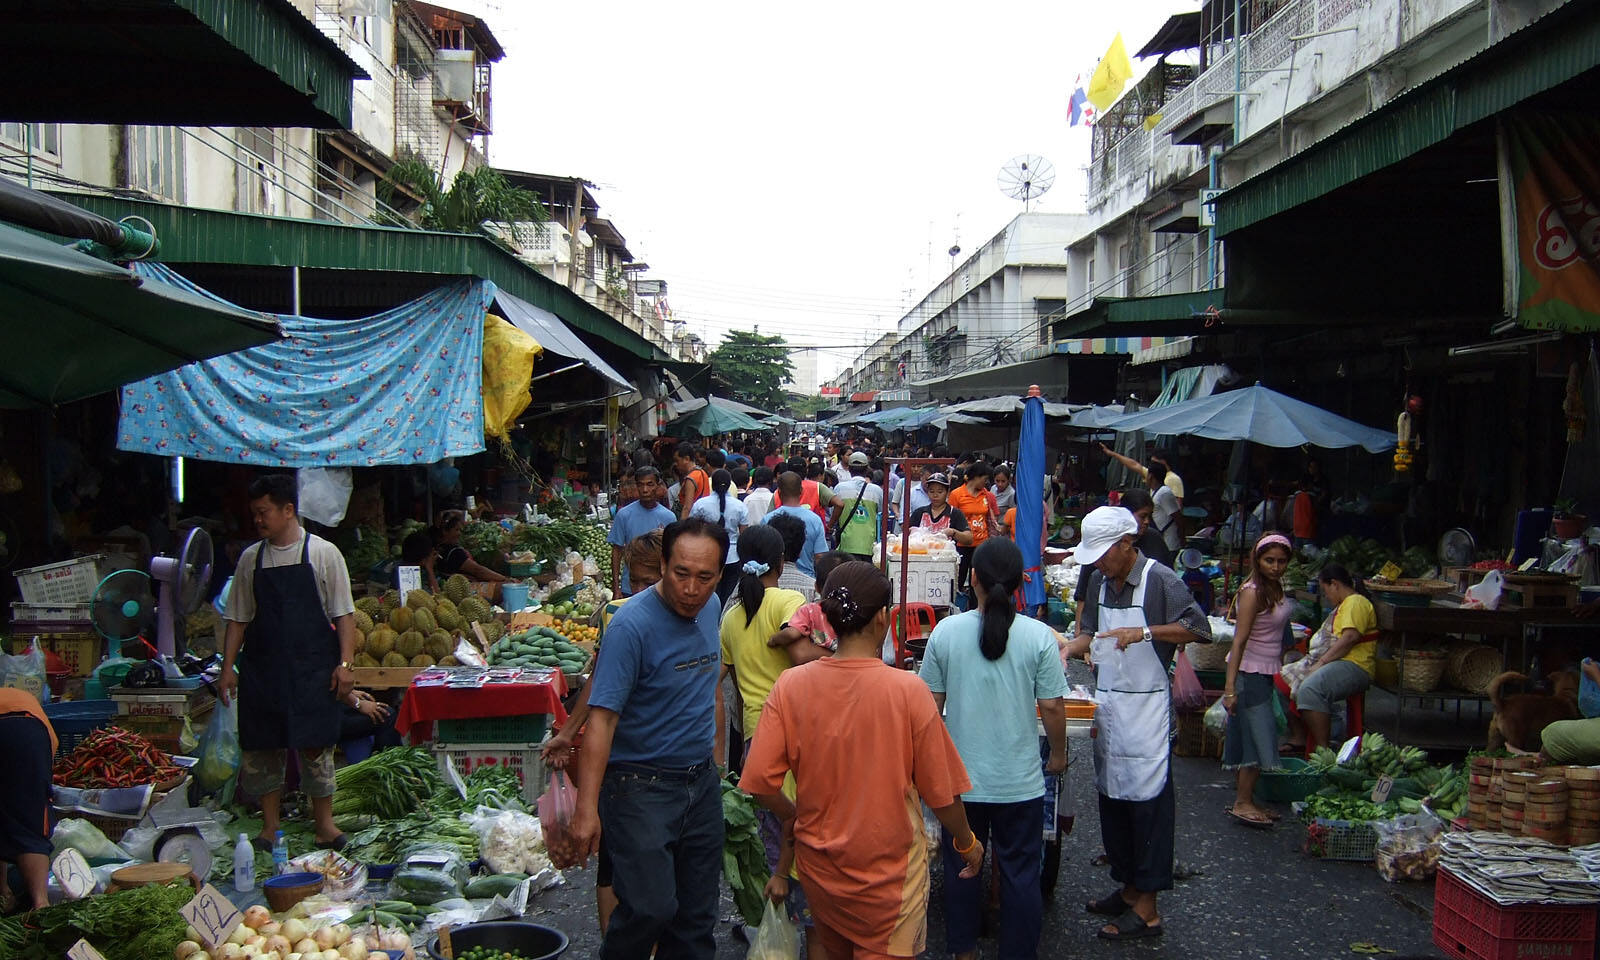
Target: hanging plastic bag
<point x="776" y="938"/>
<point x="1187" y="694"/>
<point x="324" y="494"/>
<point x="556" y="807"/>
<point x="1278" y="715"/>
<point x="1485" y="593"/>
<point x="220" y="756"/>
<point x="25" y="671"/>
<point x="1216" y="718"/>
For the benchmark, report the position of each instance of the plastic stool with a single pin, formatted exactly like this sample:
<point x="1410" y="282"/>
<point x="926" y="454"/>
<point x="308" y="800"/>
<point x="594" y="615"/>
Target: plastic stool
<point x="1354" y="721"/>
<point x="921" y="619"/>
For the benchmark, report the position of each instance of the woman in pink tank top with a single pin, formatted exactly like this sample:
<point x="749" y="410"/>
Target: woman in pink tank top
<point x="1251" y="744"/>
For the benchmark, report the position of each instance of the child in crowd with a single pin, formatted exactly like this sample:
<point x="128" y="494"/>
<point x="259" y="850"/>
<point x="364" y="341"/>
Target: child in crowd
<point x="808" y="623"/>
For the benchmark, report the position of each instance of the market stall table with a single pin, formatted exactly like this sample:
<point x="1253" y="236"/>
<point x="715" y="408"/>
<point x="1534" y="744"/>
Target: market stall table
<point x="423" y="705"/>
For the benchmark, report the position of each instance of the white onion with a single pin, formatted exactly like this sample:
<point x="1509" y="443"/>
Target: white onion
<point x="330" y="955"/>
<point x="326" y="938"/>
<point x="277" y="943"/>
<point x="250" y="950"/>
<point x="229" y="951"/>
<point x="396" y="940"/>
<point x="255" y="916"/>
<point x="190" y="933"/>
<point x="202" y="955"/>
<point x="307" y="945"/>
<point x="294" y="929"/>
<point x="240" y="934"/>
<point x="186" y="949"/>
<point x="341" y="934"/>
<point x="269" y="928"/>
<point x="354" y="950"/>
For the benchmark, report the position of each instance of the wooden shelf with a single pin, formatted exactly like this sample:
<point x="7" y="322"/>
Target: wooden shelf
<point x="1442" y="693"/>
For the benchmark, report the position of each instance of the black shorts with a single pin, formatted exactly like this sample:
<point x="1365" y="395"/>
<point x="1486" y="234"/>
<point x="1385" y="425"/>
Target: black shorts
<point x="25" y="794"/>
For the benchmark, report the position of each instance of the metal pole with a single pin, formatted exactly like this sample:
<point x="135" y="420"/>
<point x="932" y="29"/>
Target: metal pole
<point x="294" y="285"/>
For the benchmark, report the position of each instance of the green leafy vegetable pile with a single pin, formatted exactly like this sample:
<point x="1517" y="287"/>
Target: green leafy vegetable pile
<point x="389" y="784"/>
<point x="137" y="924"/>
<point x="1349" y="791"/>
<point x="744" y="858"/>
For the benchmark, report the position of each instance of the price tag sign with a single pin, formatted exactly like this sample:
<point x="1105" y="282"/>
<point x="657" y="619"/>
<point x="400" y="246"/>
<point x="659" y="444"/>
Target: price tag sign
<point x="1380" y="791"/>
<point x="446" y="948"/>
<point x="72" y="872"/>
<point x="212" y="915"/>
<point x="1390" y="571"/>
<point x="410" y="579"/>
<point x="83" y="951"/>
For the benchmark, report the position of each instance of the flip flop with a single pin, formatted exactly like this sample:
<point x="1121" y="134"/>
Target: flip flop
<point x="1111" y="905"/>
<point x="337" y="843"/>
<point x="1130" y="926"/>
<point x="262" y="844"/>
<point x="1252" y="824"/>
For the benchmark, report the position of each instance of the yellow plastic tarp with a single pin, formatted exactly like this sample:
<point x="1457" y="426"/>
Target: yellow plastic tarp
<point x="508" y="357"/>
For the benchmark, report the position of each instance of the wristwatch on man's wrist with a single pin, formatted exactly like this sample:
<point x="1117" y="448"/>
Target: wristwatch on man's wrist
<point x="345" y="664"/>
<point x="1148" y="636"/>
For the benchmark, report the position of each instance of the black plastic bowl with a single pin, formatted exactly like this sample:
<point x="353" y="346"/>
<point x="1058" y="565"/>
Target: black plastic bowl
<point x="528" y="939"/>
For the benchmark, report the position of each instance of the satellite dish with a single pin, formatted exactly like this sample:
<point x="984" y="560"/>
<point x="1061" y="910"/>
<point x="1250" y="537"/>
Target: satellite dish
<point x="1026" y="178"/>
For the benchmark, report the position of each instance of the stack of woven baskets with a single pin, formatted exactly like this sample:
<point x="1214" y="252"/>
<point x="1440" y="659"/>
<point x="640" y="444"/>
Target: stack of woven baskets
<point x="1583" y="805"/>
<point x="1470" y="666"/>
<point x="1421" y="670"/>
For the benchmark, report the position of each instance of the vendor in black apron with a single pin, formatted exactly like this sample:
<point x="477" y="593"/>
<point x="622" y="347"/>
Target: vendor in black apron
<point x="1135" y="617"/>
<point x="292" y="634"/>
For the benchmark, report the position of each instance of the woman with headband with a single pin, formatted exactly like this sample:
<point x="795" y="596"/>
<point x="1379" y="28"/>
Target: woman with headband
<point x="1251" y="744"/>
<point x="854" y="828"/>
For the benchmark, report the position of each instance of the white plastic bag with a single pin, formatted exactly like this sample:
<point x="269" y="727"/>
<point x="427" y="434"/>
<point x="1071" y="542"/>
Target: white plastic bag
<point x="25" y="671"/>
<point x="509" y="841"/>
<point x="1486" y="592"/>
<point x="776" y="938"/>
<point x="1216" y="718"/>
<point x="324" y="494"/>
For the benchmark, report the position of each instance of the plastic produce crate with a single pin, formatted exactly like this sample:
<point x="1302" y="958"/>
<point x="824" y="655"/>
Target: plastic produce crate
<point x="76" y="719"/>
<point x="69" y="581"/>
<point x="1338" y="839"/>
<point x="528" y="727"/>
<point x="80" y="651"/>
<point x="521" y="758"/>
<point x="1294" y="780"/>
<point x="1470" y="926"/>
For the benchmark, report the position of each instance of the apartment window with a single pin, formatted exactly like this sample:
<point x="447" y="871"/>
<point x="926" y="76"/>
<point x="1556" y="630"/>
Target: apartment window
<point x="1046" y="310"/>
<point x="155" y="161"/>
<point x="44" y="138"/>
<point x="257" y="171"/>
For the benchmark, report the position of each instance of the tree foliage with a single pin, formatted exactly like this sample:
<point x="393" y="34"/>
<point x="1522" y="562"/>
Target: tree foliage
<point x="751" y="367"/>
<point x="474" y="197"/>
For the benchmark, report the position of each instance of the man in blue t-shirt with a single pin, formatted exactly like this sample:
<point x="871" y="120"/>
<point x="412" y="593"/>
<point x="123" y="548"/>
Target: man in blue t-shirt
<point x="638" y="518"/>
<point x="790" y="490"/>
<point x="646" y="770"/>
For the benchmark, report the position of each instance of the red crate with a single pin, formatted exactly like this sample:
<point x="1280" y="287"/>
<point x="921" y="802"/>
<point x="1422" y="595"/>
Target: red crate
<point x="1469" y="926"/>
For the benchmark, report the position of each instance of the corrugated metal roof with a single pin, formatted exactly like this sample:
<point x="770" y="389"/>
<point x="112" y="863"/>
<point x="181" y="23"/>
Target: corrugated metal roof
<point x="191" y="235"/>
<point x="1546" y="53"/>
<point x="1166" y="310"/>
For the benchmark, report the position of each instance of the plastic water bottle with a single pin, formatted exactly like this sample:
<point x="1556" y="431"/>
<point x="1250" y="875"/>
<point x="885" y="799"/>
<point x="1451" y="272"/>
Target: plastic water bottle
<point x="280" y="854"/>
<point x="244" y="865"/>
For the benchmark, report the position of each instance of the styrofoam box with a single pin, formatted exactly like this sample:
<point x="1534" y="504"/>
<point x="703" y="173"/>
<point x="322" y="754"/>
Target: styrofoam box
<point x="930" y="580"/>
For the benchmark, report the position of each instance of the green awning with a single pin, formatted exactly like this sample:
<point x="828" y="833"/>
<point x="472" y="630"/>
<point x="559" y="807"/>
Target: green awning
<point x="193" y="235"/>
<point x="1159" y="315"/>
<point x="77" y="326"/>
<point x="1549" y="52"/>
<point x="258" y="63"/>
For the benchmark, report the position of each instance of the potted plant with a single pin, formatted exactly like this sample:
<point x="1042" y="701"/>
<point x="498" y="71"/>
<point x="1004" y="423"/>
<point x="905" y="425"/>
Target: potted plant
<point x="1568" y="523"/>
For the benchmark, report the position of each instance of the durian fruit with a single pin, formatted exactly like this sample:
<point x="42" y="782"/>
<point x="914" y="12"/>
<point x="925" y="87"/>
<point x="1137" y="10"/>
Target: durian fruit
<point x="391" y="599"/>
<point x="364" y="660"/>
<point x="381" y="642"/>
<point x="422" y="619"/>
<point x="475" y="608"/>
<point x="361" y="643"/>
<point x="420" y="600"/>
<point x="449" y="662"/>
<point x="409" y="645"/>
<point x="395" y="660"/>
<point x="493" y="630"/>
<point x="457" y="588"/>
<point x="448" y="619"/>
<point x="363" y="621"/>
<point x="443" y="604"/>
<point x="370" y="607"/>
<point x="402" y="619"/>
<point x="439" y="644"/>
<point x="422" y="660"/>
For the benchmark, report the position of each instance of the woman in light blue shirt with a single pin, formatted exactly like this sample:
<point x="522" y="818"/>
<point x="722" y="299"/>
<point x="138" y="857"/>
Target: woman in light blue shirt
<point x="994" y="674"/>
<point x="719" y="507"/>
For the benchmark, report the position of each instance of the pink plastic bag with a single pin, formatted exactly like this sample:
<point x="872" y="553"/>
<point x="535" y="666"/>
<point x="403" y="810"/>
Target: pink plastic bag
<point x="556" y="807"/>
<point x="1187" y="694"/>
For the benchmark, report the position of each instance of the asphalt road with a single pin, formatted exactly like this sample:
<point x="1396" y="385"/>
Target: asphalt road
<point x="1248" y="893"/>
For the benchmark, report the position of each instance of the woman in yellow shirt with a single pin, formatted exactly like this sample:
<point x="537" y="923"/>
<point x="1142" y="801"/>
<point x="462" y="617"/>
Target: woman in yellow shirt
<point x="1345" y="669"/>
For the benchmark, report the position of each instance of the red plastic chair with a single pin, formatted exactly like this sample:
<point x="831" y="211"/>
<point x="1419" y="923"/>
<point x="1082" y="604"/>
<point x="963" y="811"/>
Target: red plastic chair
<point x="921" y="619"/>
<point x="1354" y="720"/>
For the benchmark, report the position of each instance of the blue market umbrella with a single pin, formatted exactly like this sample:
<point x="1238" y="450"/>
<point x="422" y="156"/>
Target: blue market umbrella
<point x="1030" y="500"/>
<point x="1259" y="415"/>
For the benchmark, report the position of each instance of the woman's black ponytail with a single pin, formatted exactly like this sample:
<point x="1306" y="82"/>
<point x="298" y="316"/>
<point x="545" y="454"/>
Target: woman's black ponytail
<point x="998" y="565"/>
<point x="721" y="480"/>
<point x="759" y="546"/>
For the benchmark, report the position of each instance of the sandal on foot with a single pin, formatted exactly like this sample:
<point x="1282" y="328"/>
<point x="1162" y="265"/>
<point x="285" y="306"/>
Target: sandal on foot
<point x="1250" y="822"/>
<point x="1100" y="861"/>
<point x="337" y="843"/>
<point x="1130" y="926"/>
<point x="1111" y="905"/>
<point x="262" y="844"/>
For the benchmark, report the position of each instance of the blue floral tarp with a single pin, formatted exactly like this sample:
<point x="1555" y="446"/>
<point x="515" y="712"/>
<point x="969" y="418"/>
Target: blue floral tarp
<point x="404" y="386"/>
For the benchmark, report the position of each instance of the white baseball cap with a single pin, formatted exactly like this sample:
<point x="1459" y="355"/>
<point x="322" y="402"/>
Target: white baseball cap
<point x="1102" y="528"/>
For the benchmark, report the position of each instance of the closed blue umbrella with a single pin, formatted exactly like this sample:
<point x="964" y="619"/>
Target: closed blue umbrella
<point x="1030" y="498"/>
<point x="1259" y="415"/>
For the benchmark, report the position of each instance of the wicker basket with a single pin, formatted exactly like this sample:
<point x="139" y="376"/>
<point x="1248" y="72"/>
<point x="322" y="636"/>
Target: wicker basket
<point x="1421" y="670"/>
<point x="1470" y="667"/>
<point x="1208" y="656"/>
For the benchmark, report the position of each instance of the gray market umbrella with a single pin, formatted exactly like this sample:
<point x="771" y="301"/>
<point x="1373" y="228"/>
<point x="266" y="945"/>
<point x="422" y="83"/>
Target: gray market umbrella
<point x="710" y="420"/>
<point x="81" y="326"/>
<point x="1259" y="415"/>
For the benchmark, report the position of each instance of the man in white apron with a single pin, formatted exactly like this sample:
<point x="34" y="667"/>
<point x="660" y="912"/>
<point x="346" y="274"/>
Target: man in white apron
<point x="1136" y="615"/>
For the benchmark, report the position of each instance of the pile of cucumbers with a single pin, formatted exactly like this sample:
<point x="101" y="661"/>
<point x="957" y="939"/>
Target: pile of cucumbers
<point x="400" y="913"/>
<point x="539" y="647"/>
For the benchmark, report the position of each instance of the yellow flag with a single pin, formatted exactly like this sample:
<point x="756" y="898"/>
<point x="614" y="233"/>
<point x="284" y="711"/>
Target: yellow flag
<point x="508" y="357"/>
<point x="1111" y="76"/>
<point x="1151" y="121"/>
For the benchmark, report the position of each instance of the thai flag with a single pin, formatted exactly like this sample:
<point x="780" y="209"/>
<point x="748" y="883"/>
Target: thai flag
<point x="1079" y="109"/>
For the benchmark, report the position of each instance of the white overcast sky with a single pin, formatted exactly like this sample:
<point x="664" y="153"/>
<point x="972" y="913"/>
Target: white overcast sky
<point x="792" y="166"/>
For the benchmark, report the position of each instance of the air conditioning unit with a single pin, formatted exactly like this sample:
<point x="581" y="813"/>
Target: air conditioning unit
<point x="454" y="69"/>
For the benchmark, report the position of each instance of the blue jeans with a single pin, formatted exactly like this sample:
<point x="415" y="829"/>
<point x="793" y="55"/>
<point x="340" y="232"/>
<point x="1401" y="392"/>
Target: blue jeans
<point x="663" y="829"/>
<point x="1014" y="834"/>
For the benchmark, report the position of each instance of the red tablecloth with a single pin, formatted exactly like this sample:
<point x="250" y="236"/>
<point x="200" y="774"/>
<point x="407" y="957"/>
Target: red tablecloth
<point x="424" y="705"/>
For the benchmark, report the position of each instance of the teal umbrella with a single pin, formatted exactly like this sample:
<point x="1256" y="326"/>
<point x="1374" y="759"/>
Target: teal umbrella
<point x="79" y="326"/>
<point x="710" y="420"/>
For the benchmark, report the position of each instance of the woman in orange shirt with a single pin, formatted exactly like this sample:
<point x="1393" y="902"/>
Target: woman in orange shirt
<point x="27" y="746"/>
<point x="853" y="829"/>
<point x="975" y="501"/>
